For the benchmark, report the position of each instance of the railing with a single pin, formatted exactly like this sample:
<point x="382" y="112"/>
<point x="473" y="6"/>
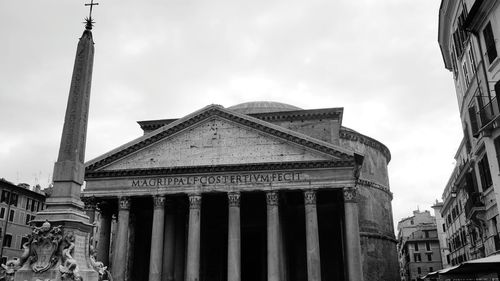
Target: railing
<point x="489" y="111"/>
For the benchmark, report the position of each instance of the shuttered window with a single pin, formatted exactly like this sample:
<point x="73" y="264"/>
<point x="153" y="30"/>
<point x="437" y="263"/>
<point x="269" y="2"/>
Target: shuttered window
<point x="473" y="120"/>
<point x="489" y="40"/>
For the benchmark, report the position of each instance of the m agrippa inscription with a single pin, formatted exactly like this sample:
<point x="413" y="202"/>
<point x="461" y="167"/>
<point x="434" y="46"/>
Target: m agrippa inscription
<point x="217" y="179"/>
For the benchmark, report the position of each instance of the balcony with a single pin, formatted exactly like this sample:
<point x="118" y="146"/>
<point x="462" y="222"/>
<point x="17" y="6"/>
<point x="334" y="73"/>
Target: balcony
<point x="489" y="111"/>
<point x="474" y="205"/>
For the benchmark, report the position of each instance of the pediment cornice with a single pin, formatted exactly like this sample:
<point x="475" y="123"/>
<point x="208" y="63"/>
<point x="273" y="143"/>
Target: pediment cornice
<point x="213" y="111"/>
<point x="222" y="169"/>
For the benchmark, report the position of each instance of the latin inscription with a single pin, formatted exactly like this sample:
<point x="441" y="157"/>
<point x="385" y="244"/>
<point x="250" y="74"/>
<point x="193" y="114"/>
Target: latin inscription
<point x="217" y="179"/>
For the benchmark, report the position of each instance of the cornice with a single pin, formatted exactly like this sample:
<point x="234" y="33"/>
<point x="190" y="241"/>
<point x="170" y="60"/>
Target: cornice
<point x="295" y="115"/>
<point x="367" y="183"/>
<point x="314" y="114"/>
<point x="357" y="137"/>
<point x="378" y="236"/>
<point x="204" y="114"/>
<point x="220" y="169"/>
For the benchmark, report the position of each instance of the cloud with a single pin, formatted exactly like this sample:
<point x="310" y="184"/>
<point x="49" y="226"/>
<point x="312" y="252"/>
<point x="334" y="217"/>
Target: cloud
<point x="164" y="59"/>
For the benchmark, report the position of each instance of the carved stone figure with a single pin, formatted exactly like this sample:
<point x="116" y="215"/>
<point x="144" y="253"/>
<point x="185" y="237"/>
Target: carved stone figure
<point x="104" y="274"/>
<point x="69" y="267"/>
<point x="44" y="243"/>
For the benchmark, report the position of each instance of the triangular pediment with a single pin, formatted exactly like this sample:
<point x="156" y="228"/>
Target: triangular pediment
<point x="215" y="136"/>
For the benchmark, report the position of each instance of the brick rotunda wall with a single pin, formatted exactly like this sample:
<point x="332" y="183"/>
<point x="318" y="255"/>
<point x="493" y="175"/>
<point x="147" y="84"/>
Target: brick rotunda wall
<point x="378" y="243"/>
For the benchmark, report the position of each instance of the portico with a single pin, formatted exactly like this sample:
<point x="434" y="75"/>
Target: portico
<point x="220" y="195"/>
<point x="267" y="223"/>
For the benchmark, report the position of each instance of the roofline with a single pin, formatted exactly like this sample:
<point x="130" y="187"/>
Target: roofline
<point x="188" y="120"/>
<point x="20" y="189"/>
<point x="311" y="114"/>
<point x="442" y="40"/>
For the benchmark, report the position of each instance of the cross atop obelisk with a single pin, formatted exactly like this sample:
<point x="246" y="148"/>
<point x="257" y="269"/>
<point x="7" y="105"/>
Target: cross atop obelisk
<point x="88" y="20"/>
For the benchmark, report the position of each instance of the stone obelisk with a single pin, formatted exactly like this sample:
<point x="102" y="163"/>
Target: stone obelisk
<point x="70" y="258"/>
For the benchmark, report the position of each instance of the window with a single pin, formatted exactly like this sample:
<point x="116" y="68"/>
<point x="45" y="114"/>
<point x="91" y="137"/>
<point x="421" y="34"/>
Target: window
<point x="472" y="61"/>
<point x="28" y="202"/>
<point x="489" y="40"/>
<point x="454" y="63"/>
<point x="7" y="240"/>
<point x="419" y="270"/>
<point x="444" y="227"/>
<point x="466" y="74"/>
<point x="429" y="257"/>
<point x="33" y="205"/>
<point x="2" y="213"/>
<point x="473" y="120"/>
<point x="427" y="246"/>
<point x="484" y="172"/>
<point x="416" y="246"/>
<point x="431" y="269"/>
<point x="4" y="260"/>
<point x="5" y="196"/>
<point x="23" y="240"/>
<point x="417" y="257"/>
<point x="497" y="140"/>
<point x="13" y="199"/>
<point x="11" y="215"/>
<point x="29" y="218"/>
<point x="411" y="222"/>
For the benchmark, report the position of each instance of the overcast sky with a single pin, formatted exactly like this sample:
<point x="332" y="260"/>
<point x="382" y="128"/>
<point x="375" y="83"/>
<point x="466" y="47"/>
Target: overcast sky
<point x="379" y="59"/>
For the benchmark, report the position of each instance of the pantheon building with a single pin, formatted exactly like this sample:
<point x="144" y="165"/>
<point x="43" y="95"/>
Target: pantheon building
<point x="260" y="191"/>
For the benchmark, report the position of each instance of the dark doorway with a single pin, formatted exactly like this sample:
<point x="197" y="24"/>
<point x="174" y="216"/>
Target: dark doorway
<point x="141" y="219"/>
<point x="214" y="217"/>
<point x="253" y="237"/>
<point x="294" y="233"/>
<point x="330" y="209"/>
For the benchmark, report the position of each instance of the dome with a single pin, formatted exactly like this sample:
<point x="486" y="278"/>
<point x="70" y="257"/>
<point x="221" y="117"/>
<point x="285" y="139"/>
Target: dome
<point x="262" y="107"/>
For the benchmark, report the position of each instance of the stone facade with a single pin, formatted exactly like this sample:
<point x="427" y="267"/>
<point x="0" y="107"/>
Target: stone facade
<point x="15" y="217"/>
<point x="468" y="32"/>
<point x="239" y="177"/>
<point x="418" y="246"/>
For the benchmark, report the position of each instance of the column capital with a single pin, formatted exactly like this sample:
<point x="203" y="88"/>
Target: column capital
<point x="233" y="198"/>
<point x="350" y="194"/>
<point x="194" y="201"/>
<point x="272" y="198"/>
<point x="158" y="201"/>
<point x="309" y="197"/>
<point x="90" y="202"/>
<point x="124" y="203"/>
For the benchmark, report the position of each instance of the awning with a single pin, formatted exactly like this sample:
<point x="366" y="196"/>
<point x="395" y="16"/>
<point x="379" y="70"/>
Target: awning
<point x="436" y="273"/>
<point x="489" y="264"/>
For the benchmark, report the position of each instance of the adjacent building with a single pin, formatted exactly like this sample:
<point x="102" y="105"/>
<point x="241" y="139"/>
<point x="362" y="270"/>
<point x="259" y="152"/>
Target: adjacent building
<point x="468" y="37"/>
<point x="418" y="246"/>
<point x="255" y="191"/>
<point x="18" y="207"/>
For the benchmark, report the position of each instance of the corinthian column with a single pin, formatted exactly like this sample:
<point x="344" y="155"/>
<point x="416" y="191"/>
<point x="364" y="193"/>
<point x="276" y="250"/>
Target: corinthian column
<point x="312" y="237"/>
<point x="193" y="247"/>
<point x="352" y="241"/>
<point x="120" y="254"/>
<point x="273" y="241"/>
<point x="104" y="234"/>
<point x="234" y="238"/>
<point x="156" y="254"/>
